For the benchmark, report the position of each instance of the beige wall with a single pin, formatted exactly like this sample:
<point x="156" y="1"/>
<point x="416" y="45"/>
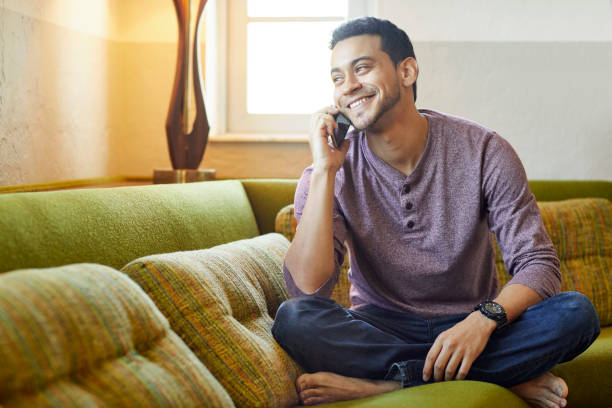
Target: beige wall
<point x="538" y="75"/>
<point x="84" y="91"/>
<point x="54" y="87"/>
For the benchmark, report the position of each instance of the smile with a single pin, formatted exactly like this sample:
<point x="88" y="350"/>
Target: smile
<point x="359" y="102"/>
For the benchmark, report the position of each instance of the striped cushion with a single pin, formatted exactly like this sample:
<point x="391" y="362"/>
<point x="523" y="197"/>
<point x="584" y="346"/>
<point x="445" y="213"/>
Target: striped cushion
<point x="581" y="231"/>
<point x="84" y="335"/>
<point x="286" y="224"/>
<point x="221" y="302"/>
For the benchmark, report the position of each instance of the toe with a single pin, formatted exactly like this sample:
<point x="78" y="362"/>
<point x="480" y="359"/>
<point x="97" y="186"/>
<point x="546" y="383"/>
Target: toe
<point x="310" y="393"/>
<point x="303" y="382"/>
<point x="551" y="400"/>
<point x="313" y="401"/>
<point x="556" y="385"/>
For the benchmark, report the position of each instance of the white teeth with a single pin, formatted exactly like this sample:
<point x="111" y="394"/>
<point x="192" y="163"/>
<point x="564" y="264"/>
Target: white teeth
<point x="357" y="103"/>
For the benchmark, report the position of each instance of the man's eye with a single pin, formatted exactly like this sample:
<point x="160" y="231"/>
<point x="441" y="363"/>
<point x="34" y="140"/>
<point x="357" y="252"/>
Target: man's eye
<point x="360" y="68"/>
<point x="336" y="79"/>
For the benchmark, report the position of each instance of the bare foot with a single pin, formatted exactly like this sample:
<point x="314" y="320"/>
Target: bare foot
<point x="324" y="387"/>
<point x="546" y="391"/>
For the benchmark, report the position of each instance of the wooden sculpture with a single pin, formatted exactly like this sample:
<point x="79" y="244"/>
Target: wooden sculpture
<point x="186" y="148"/>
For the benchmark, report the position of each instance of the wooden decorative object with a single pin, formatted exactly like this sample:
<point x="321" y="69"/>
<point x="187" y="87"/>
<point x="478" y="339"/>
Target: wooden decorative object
<point x="186" y="148"/>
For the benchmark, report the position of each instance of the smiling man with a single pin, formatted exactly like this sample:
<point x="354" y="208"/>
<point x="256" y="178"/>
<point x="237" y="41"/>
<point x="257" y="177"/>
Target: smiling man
<point x="414" y="194"/>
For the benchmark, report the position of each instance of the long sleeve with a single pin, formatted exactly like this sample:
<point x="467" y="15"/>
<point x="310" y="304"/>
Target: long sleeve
<point x="515" y="219"/>
<point x="340" y="234"/>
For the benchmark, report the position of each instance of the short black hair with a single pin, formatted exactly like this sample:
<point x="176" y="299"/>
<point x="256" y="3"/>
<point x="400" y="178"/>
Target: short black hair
<point x="393" y="40"/>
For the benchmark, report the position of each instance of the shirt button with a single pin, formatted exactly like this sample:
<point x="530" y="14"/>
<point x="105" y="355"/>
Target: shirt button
<point x="406" y="188"/>
<point x="409" y="206"/>
<point x="410" y="224"/>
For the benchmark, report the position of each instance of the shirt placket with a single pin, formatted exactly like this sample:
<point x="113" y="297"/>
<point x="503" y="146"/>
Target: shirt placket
<point x="407" y="202"/>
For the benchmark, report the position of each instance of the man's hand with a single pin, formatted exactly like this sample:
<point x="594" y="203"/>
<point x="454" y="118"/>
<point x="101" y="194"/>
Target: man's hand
<point x="457" y="348"/>
<point x="324" y="156"/>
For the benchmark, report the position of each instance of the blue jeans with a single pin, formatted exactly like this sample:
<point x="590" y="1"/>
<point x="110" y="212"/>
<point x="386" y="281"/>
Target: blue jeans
<point x="375" y="343"/>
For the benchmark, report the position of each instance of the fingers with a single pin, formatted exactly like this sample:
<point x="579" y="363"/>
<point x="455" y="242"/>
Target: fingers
<point x="324" y="155"/>
<point x="451" y="367"/>
<point x="437" y="360"/>
<point x="441" y="364"/>
<point x="345" y="146"/>
<point x="431" y="358"/>
<point x="443" y="361"/>
<point x="323" y="122"/>
<point x="466" y="364"/>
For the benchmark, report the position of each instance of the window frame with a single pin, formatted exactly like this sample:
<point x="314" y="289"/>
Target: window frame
<point x="226" y="58"/>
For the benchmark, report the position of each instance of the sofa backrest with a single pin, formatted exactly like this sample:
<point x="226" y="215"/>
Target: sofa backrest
<point x="267" y="197"/>
<point x="114" y="226"/>
<point x="556" y="190"/>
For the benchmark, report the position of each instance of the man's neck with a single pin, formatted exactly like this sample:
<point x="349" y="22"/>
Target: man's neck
<point x="400" y="141"/>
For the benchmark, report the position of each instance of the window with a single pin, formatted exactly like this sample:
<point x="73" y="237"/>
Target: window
<point x="277" y="71"/>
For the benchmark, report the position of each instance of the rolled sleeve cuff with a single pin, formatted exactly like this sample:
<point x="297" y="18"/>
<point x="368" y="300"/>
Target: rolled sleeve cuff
<point x="324" y="290"/>
<point x="543" y="278"/>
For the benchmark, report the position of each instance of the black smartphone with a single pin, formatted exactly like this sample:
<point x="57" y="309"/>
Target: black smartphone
<point x="340" y="133"/>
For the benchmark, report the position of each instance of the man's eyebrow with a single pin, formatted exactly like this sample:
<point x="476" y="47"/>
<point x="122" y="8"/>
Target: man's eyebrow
<point x="354" y="62"/>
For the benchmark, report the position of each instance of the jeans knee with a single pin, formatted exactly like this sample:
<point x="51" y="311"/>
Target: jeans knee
<point x="295" y="315"/>
<point x="578" y="313"/>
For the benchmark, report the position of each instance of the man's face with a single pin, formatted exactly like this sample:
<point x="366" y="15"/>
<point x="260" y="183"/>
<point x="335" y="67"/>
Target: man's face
<point x="366" y="85"/>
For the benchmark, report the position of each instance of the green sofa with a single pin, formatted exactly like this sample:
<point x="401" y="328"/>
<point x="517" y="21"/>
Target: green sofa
<point x="164" y="296"/>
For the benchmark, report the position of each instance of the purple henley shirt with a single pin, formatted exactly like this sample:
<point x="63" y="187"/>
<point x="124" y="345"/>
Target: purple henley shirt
<point x="422" y="243"/>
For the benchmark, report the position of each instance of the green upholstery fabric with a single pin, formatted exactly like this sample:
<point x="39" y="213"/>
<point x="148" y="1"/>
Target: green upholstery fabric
<point x="221" y="302"/>
<point x="286" y="224"/>
<point x="266" y="197"/>
<point x="556" y="190"/>
<point x="589" y="376"/>
<point x="581" y="231"/>
<point x="87" y="336"/>
<point x="455" y="394"/>
<point x="116" y="225"/>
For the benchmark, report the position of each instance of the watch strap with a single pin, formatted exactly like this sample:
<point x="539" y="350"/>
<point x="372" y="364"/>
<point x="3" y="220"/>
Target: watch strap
<point x="493" y="311"/>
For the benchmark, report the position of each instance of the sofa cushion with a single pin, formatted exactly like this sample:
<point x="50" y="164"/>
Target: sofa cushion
<point x="113" y="226"/>
<point x="86" y="335"/>
<point x="463" y="394"/>
<point x="588" y="375"/>
<point x="221" y="301"/>
<point x="286" y="224"/>
<point x="581" y="231"/>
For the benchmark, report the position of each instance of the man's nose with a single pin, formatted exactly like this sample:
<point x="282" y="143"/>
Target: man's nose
<point x="350" y="85"/>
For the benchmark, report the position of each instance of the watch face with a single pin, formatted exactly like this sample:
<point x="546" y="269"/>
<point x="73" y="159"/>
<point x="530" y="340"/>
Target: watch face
<point x="493" y="308"/>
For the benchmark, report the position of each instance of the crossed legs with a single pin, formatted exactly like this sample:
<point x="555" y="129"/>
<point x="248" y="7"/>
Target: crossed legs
<point x="355" y="353"/>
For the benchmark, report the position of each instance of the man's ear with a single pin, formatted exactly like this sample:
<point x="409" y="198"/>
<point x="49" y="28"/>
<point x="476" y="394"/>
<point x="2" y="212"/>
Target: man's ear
<point x="408" y="70"/>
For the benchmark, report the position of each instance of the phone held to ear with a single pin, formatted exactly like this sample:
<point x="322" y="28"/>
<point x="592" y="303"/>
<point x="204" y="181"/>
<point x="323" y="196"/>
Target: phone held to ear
<point x="340" y="133"/>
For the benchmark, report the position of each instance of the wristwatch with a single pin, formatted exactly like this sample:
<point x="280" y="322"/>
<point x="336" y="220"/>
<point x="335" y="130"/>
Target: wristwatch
<point x="493" y="311"/>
